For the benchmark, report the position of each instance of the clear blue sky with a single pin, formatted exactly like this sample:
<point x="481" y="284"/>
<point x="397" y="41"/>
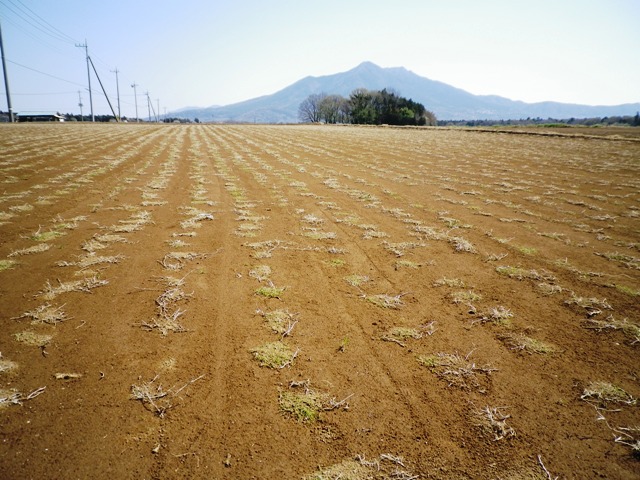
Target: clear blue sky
<point x="217" y="52"/>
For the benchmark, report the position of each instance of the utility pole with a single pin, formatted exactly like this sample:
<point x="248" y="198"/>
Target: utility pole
<point x="86" y="51"/>
<point x="158" y="114"/>
<point x="118" y="91"/>
<point x="80" y="105"/>
<point x="148" y="105"/>
<point x="135" y="96"/>
<point x="103" y="90"/>
<point x="6" y="79"/>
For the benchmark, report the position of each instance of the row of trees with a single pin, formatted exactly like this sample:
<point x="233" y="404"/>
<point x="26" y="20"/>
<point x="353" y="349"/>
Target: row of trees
<point x="633" y="121"/>
<point x="365" y="107"/>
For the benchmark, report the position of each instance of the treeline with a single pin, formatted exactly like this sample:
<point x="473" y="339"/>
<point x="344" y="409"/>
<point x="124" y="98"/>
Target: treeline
<point x="365" y="107"/>
<point x="70" y="117"/>
<point x="631" y="120"/>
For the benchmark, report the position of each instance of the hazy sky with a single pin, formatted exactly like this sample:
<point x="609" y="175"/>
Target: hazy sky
<point x="217" y="52"/>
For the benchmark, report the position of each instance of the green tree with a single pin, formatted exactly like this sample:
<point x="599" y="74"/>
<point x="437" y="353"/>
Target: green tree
<point x="362" y="107"/>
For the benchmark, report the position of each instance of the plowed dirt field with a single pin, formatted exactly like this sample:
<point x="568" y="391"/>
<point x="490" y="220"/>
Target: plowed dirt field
<point x="267" y="302"/>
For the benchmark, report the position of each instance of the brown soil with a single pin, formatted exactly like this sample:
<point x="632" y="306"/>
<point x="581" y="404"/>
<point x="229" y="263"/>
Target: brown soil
<point x="184" y="220"/>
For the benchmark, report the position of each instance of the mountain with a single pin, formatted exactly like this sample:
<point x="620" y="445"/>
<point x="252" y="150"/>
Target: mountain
<point x="447" y="102"/>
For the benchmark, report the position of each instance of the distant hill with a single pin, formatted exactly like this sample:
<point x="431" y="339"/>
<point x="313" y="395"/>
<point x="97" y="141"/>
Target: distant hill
<point x="447" y="102"/>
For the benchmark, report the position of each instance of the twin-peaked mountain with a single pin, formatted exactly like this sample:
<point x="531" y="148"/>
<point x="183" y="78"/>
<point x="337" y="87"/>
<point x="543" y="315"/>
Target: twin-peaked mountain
<point x="447" y="102"/>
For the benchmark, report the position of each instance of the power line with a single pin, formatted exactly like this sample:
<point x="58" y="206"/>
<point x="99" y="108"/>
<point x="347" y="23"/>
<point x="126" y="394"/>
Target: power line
<point x="44" y="73"/>
<point x="46" y="93"/>
<point x="36" y="21"/>
<point x="27" y="22"/>
<point x="23" y="31"/>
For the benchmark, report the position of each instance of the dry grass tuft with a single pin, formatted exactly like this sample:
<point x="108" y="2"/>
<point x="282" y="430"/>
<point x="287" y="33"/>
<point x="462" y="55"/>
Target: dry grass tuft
<point x="628" y="261"/>
<point x="522" y="273"/>
<point x="386" y="466"/>
<point x="347" y="470"/>
<point x="85" y="285"/>
<point x="520" y="342"/>
<point x="45" y="313"/>
<point x="631" y="330"/>
<point x="42" y="247"/>
<point x="280" y="321"/>
<point x="630" y="437"/>
<point x="462" y="245"/>
<point x="406" y="264"/>
<point x="449" y="282"/>
<point x="166" y="322"/>
<point x="605" y="392"/>
<point x="305" y="404"/>
<point x="155" y="398"/>
<point x="7" y="365"/>
<point x="465" y="297"/>
<point x="399" y="249"/>
<point x="167" y="314"/>
<point x="274" y="355"/>
<point x="7" y="264"/>
<point x="356" y="280"/>
<point x="271" y="291"/>
<point x="493" y="421"/>
<point x="400" y="335"/>
<point x="39" y="236"/>
<point x="90" y="260"/>
<point x="265" y="249"/>
<point x="498" y="315"/>
<point x="457" y="370"/>
<point x="260" y="273"/>
<point x="110" y="238"/>
<point x="549" y="289"/>
<point x="33" y="339"/>
<point x="176" y="260"/>
<point x="592" y="305"/>
<point x="13" y="397"/>
<point x="393" y="302"/>
<point x="320" y="235"/>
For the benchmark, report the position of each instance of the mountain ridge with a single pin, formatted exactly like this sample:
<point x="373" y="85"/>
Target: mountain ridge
<point x="446" y="101"/>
